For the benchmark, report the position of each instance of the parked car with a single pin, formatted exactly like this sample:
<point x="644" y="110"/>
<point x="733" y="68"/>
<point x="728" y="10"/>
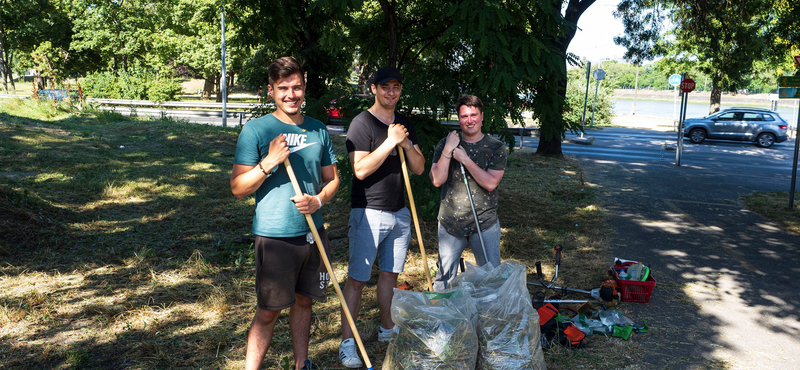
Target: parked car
<point x="346" y="107"/>
<point x="762" y="126"/>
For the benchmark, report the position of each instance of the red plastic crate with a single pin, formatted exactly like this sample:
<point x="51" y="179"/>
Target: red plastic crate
<point x="631" y="290"/>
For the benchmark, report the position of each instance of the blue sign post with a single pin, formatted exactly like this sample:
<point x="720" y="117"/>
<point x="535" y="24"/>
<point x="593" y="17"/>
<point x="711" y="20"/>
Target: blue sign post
<point x="674" y="80"/>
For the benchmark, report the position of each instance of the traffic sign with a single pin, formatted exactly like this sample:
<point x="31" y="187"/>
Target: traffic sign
<point x="687" y="85"/>
<point x="788" y="81"/>
<point x="797" y="61"/>
<point x="789" y="93"/>
<point x="675" y="79"/>
<point x="599" y="74"/>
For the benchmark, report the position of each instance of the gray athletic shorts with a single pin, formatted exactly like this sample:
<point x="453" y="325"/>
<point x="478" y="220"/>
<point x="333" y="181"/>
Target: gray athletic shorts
<point x="381" y="234"/>
<point x="285" y="266"/>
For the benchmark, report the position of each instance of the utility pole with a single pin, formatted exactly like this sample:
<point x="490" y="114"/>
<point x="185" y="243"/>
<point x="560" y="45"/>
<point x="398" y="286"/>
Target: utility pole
<point x="586" y="96"/>
<point x="224" y="83"/>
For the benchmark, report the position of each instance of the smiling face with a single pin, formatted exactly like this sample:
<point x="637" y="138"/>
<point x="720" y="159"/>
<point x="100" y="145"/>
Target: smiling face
<point x="471" y="120"/>
<point x="388" y="94"/>
<point x="288" y="94"/>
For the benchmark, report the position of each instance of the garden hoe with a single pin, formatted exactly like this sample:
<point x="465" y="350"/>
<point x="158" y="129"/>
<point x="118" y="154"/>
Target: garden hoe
<point x="474" y="214"/>
<point x="324" y="256"/>
<point x="414" y="215"/>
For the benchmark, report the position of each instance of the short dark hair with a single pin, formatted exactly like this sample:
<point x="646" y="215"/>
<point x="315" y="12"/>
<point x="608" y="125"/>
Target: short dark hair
<point x="470" y="101"/>
<point x="284" y="67"/>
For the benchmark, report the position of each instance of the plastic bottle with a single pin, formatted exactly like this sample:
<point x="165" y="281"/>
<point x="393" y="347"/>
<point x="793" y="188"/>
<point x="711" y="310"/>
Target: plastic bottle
<point x="622" y="275"/>
<point x="635" y="271"/>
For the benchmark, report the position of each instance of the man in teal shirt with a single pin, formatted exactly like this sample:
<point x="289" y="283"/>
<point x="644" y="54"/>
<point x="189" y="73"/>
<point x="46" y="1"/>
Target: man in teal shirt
<point x="289" y="268"/>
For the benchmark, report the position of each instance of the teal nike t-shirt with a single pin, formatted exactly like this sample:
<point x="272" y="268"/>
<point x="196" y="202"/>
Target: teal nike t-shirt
<point x="276" y="215"/>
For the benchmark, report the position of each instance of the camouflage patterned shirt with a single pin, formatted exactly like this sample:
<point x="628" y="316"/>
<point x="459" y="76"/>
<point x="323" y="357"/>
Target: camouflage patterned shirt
<point x="455" y="213"/>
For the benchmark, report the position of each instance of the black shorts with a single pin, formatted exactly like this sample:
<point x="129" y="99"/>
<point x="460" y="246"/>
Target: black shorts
<point x="285" y="266"/>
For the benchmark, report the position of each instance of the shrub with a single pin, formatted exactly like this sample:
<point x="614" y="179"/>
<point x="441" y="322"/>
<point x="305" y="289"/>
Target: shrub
<point x="576" y="92"/>
<point x="135" y="85"/>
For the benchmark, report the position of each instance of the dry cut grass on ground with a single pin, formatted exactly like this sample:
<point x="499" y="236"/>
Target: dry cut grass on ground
<point x="122" y="246"/>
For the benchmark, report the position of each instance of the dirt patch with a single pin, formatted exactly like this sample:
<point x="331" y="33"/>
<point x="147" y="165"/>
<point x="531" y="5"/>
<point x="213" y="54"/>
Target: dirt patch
<point x="192" y="86"/>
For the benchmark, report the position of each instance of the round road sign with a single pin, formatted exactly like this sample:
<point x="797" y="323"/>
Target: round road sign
<point x="675" y="79"/>
<point x="687" y="85"/>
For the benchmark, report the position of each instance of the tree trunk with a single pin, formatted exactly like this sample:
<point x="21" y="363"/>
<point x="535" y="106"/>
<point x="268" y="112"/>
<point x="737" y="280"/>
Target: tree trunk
<point x="208" y="87"/>
<point x="3" y="61"/>
<point x="552" y="126"/>
<point x="41" y="82"/>
<point x="217" y="79"/>
<point x="3" y="76"/>
<point x="716" y="99"/>
<point x="716" y="93"/>
<point x="390" y="11"/>
<point x="9" y="61"/>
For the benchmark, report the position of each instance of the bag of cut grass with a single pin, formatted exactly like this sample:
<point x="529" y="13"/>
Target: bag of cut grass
<point x="508" y="326"/>
<point x="433" y="331"/>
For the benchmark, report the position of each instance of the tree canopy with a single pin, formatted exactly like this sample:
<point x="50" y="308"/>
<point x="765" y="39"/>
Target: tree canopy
<point x="732" y="42"/>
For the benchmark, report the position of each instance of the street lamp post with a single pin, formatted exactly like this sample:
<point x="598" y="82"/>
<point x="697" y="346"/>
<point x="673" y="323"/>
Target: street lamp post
<point x="224" y="81"/>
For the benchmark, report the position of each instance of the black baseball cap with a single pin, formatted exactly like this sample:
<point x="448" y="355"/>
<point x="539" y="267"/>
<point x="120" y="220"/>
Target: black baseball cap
<point x="385" y="75"/>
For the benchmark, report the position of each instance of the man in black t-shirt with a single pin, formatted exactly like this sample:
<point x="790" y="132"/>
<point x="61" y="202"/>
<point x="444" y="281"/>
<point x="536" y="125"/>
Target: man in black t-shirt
<point x="380" y="223"/>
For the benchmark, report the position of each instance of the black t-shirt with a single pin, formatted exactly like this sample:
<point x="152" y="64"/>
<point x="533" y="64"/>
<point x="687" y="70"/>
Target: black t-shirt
<point x="383" y="189"/>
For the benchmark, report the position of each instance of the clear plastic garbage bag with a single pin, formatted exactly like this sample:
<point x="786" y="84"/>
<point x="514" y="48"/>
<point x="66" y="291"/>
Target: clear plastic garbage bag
<point x="508" y="326"/>
<point x="433" y="331"/>
<point x="613" y="317"/>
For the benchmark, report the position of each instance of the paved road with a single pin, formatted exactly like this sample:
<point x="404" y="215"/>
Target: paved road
<point x="727" y="292"/>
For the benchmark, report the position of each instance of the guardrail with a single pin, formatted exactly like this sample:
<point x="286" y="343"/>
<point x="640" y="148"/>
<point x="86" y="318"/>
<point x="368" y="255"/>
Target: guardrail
<point x="12" y="96"/>
<point x="154" y="104"/>
<point x="171" y="104"/>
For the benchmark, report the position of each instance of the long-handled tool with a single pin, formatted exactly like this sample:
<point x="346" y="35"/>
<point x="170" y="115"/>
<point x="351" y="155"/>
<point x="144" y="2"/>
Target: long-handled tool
<point x="324" y="256"/>
<point x="414" y="215"/>
<point x="474" y="214"/>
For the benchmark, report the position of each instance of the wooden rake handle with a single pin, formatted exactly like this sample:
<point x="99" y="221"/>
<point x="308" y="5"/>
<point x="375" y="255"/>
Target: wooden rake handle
<point x="414" y="216"/>
<point x="324" y="256"/>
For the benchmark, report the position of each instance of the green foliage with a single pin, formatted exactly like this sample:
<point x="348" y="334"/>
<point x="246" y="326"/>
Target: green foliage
<point x="576" y="96"/>
<point x="135" y="85"/>
<point x="623" y="76"/>
<point x="446" y="50"/>
<point x="785" y="35"/>
<point x="350" y="105"/>
<point x="426" y="196"/>
<point x="720" y="40"/>
<point x="643" y="21"/>
<point x="49" y="61"/>
<point x="40" y="27"/>
<point x="123" y="33"/>
<point x="312" y="31"/>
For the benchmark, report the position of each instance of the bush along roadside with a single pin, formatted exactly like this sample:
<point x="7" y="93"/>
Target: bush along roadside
<point x="135" y="85"/>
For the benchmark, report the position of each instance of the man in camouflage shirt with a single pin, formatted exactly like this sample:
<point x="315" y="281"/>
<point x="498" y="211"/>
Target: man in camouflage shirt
<point x="484" y="159"/>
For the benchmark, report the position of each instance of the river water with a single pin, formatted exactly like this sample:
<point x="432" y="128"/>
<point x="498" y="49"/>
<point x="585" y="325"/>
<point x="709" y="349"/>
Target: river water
<point x="666" y="109"/>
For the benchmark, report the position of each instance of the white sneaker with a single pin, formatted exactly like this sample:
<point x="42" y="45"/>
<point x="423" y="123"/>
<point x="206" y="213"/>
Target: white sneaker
<point x="348" y="354"/>
<point x="384" y="336"/>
